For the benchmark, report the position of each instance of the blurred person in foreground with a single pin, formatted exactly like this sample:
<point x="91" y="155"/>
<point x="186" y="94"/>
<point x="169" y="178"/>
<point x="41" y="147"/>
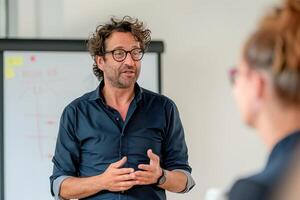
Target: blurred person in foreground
<point x="267" y="92"/>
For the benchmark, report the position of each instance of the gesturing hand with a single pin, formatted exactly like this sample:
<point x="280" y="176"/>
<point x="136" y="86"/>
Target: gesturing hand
<point x="117" y="178"/>
<point x="149" y="173"/>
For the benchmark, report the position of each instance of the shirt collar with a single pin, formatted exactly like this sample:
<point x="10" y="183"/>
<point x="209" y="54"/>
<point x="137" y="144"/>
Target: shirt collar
<point x="97" y="94"/>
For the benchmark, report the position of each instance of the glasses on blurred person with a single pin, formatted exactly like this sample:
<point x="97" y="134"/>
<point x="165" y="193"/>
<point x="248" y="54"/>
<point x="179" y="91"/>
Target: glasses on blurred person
<point x="232" y="73"/>
<point x="120" y="55"/>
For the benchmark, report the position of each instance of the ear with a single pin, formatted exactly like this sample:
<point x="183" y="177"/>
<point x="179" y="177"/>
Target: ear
<point x="100" y="62"/>
<point x="260" y="85"/>
<point x="257" y="93"/>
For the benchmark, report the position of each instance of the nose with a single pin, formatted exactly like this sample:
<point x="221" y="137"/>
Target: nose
<point x="128" y="60"/>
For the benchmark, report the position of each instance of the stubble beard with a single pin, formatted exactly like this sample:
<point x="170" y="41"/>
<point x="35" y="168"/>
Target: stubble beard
<point x="122" y="82"/>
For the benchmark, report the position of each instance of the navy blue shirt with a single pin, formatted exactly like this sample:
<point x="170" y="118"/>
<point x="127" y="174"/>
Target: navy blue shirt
<point x="262" y="185"/>
<point x="93" y="135"/>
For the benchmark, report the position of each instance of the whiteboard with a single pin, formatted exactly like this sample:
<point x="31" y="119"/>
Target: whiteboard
<point x="37" y="85"/>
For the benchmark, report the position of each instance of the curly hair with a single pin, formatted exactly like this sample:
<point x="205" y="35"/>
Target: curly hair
<point x="96" y="43"/>
<point x="275" y="47"/>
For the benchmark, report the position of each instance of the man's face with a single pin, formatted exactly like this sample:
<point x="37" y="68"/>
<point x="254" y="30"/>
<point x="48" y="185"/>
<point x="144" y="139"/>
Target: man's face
<point x="122" y="74"/>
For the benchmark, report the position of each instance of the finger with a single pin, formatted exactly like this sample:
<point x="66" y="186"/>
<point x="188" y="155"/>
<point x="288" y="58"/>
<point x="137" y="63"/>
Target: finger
<point x="119" y="163"/>
<point x="125" y="185"/>
<point x="126" y="177"/>
<point x="124" y="188"/>
<point x="122" y="185"/>
<point x="142" y="174"/>
<point x="122" y="171"/>
<point x="153" y="157"/>
<point x="143" y="181"/>
<point x="145" y="167"/>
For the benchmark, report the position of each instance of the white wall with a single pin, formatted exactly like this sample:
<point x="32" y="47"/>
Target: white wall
<point x="2" y="18"/>
<point x="202" y="40"/>
<point x="35" y="18"/>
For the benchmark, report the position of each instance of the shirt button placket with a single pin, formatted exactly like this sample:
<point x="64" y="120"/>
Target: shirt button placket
<point x="121" y="144"/>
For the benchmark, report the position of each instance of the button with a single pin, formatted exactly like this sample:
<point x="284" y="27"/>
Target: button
<point x="117" y="118"/>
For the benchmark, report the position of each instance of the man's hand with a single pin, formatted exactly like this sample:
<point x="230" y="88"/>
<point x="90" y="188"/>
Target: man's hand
<point x="149" y="173"/>
<point x="118" y="179"/>
<point x="114" y="179"/>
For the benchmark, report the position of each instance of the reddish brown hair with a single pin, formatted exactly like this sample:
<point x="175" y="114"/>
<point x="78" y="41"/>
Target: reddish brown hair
<point x="275" y="47"/>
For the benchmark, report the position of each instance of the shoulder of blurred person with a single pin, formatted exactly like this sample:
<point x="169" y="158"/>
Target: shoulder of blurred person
<point x="288" y="188"/>
<point x="264" y="185"/>
<point x="248" y="189"/>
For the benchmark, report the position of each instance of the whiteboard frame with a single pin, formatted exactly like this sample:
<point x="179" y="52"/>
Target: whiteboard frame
<point x="49" y="45"/>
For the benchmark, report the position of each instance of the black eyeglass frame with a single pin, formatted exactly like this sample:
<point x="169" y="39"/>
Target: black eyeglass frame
<point x="126" y="53"/>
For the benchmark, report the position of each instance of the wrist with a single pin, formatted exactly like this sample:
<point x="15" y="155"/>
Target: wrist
<point x="100" y="182"/>
<point x="163" y="177"/>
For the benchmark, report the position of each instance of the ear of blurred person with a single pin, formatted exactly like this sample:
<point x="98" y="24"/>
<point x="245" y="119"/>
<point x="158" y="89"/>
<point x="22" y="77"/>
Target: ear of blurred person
<point x="267" y="93"/>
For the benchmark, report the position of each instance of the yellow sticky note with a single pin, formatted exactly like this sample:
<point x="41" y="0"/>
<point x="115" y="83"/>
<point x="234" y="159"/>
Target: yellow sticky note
<point x="9" y="72"/>
<point x="14" y="61"/>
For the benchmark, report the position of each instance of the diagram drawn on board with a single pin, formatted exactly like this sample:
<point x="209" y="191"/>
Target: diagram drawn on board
<point x="45" y="89"/>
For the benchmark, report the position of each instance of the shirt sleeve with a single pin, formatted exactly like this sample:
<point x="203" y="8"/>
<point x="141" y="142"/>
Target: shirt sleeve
<point x="174" y="151"/>
<point x="190" y="181"/>
<point x="56" y="186"/>
<point x="67" y="151"/>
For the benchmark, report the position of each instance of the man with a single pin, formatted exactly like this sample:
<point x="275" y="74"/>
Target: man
<point x="120" y="141"/>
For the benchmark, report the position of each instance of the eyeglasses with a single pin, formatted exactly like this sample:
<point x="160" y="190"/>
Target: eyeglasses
<point x="120" y="54"/>
<point x="232" y="73"/>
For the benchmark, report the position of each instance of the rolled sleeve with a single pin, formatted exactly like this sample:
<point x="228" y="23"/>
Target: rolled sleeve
<point x="175" y="156"/>
<point x="66" y="158"/>
<point x="56" y="186"/>
<point x="190" y="181"/>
